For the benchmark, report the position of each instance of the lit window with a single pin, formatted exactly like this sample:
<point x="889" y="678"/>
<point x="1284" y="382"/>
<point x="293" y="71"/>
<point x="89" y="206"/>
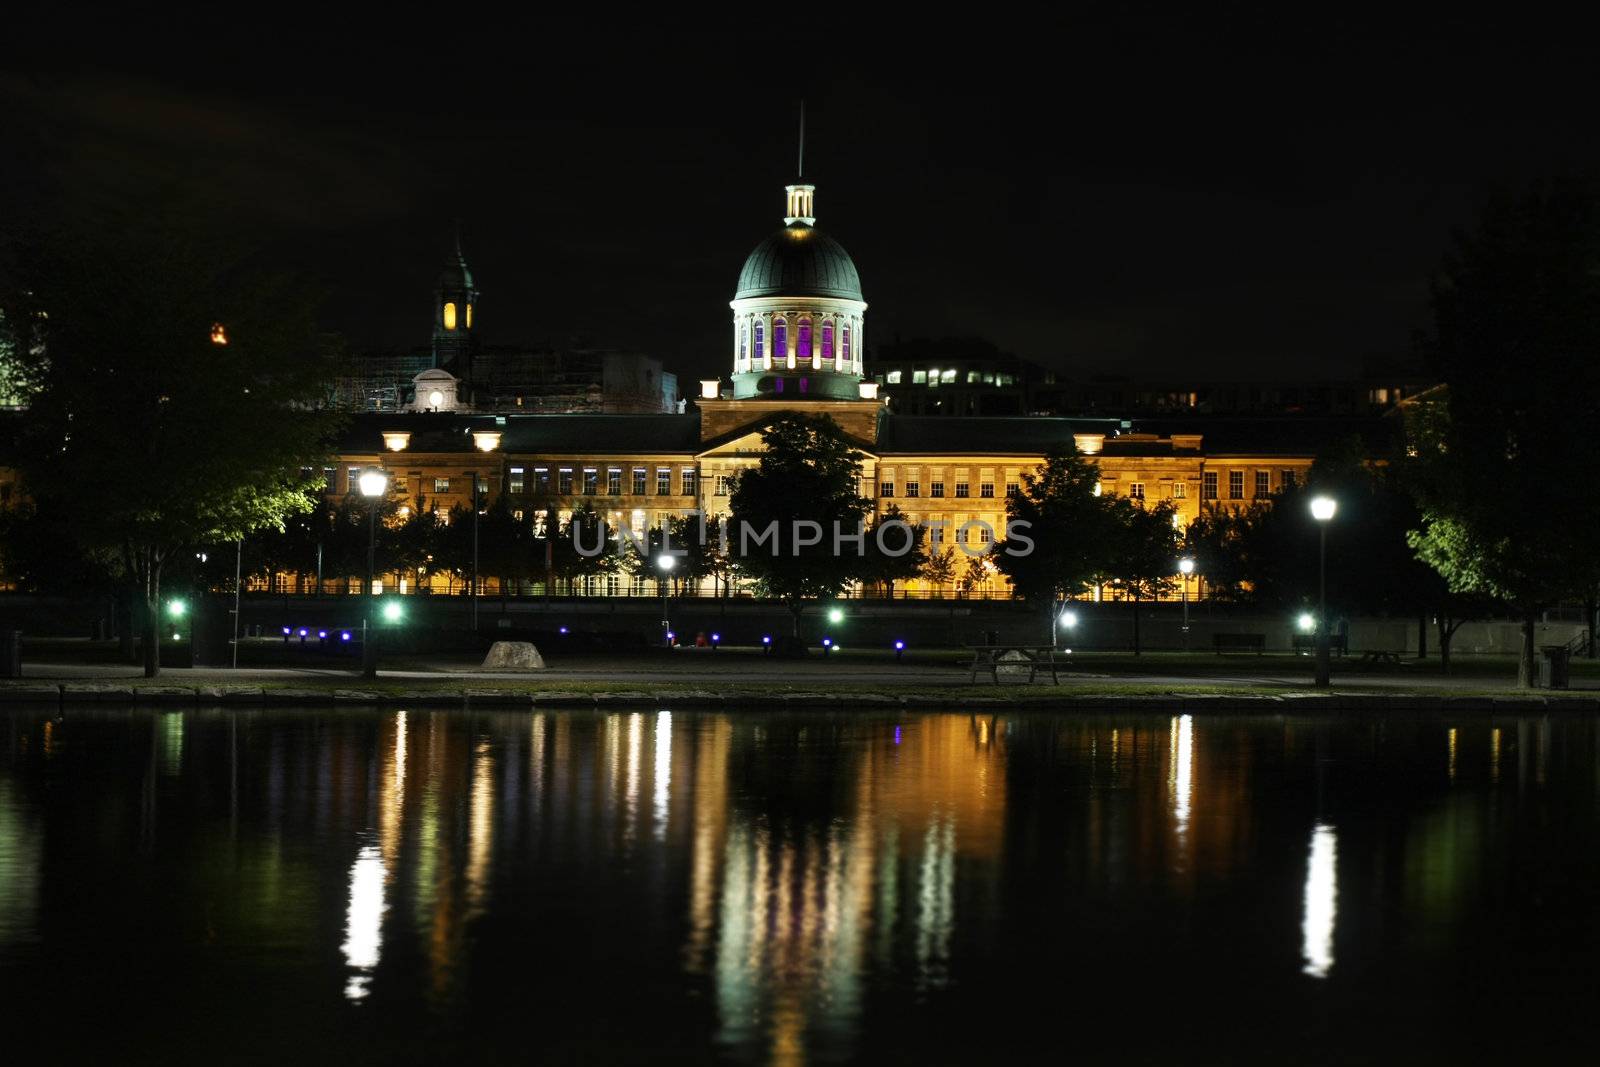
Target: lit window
<point x="724" y="485"/>
<point x="688" y="481"/>
<point x="744" y="336"/>
<point x="541" y="479"/>
<point x="1136" y="491"/>
<point x="936" y="487"/>
<point x="469" y="316"/>
<point x="827" y="339"/>
<point x="886" y="489"/>
<point x="564" y="481"/>
<point x="663" y="481"/>
<point x="1208" y="485"/>
<point x="986" y="490"/>
<point x="780" y="337"/>
<point x="514" y="480"/>
<point x="219" y="334"/>
<point x="844" y="347"/>
<point x="1263" y="483"/>
<point x="640" y="476"/>
<point x="803" y="338"/>
<point x="894" y="377"/>
<point x="948" y="376"/>
<point x="913" y="487"/>
<point x="761" y="337"/>
<point x="962" y="490"/>
<point x="591" y="481"/>
<point x="441" y="485"/>
<point x="449" y="315"/>
<point x="972" y="377"/>
<point x="1236" y="485"/>
<point x="614" y="481"/>
<point x="919" y="377"/>
<point x="1180" y="490"/>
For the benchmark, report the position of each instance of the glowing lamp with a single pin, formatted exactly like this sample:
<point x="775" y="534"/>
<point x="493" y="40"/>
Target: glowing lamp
<point x="835" y="615"/>
<point x="373" y="482"/>
<point x="392" y="611"/>
<point x="1069" y="619"/>
<point x="1323" y="507"/>
<point x="666" y="562"/>
<point x="176" y="608"/>
<point x="344" y="635"/>
<point x="1186" y="566"/>
<point x="486" y="440"/>
<point x="1307" y="621"/>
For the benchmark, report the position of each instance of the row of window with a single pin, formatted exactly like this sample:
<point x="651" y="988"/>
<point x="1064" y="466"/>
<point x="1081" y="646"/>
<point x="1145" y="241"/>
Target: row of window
<point x="912" y="488"/>
<point x="753" y="340"/>
<point x="567" y="477"/>
<point x="933" y="376"/>
<point x="1263" y="484"/>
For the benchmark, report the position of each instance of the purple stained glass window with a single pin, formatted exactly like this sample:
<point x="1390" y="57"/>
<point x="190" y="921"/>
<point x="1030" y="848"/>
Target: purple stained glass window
<point x="777" y="385"/>
<point x="804" y="339"/>
<point x="780" y="338"/>
<point x="844" y="346"/>
<point x="760" y="340"/>
<point x="827" y="340"/>
<point x="803" y="383"/>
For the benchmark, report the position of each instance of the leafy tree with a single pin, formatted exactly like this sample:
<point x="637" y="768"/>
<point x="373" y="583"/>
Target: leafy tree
<point x="1516" y="340"/>
<point x="1144" y="553"/>
<point x="1070" y="526"/>
<point x="143" y="434"/>
<point x="882" y="565"/>
<point x="807" y="475"/>
<point x="588" y="529"/>
<point x="941" y="568"/>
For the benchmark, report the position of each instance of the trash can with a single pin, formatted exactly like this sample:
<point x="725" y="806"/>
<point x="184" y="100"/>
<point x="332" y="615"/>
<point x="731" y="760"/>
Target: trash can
<point x="10" y="653"/>
<point x="1555" y="668"/>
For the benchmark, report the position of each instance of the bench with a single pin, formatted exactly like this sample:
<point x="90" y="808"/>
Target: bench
<point x="1381" y="656"/>
<point x="1338" y="644"/>
<point x="1256" y="643"/>
<point x="1035" y="657"/>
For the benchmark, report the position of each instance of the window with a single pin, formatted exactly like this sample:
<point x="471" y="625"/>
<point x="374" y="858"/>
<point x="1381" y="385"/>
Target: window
<point x="744" y="337"/>
<point x="761" y="333"/>
<point x="844" y="348"/>
<point x="919" y="377"/>
<point x="962" y="490"/>
<point x="936" y="486"/>
<point x="564" y="481"/>
<point x="640" y="478"/>
<point x="688" y="481"/>
<point x="449" y="315"/>
<point x="913" y="487"/>
<point x="827" y="339"/>
<point x="1180" y="490"/>
<point x="1136" y="491"/>
<point x="1287" y="480"/>
<point x="514" y="481"/>
<point x="614" y="481"/>
<point x="803" y="338"/>
<point x="886" y="489"/>
<point x="972" y="377"/>
<point x="985" y="535"/>
<point x="1263" y="483"/>
<point x="541" y="480"/>
<point x="355" y="480"/>
<point x="483" y="483"/>
<point x="517" y="514"/>
<point x="330" y="477"/>
<point x="1013" y="489"/>
<point x="663" y="481"/>
<point x="1236" y="485"/>
<point x="893" y="378"/>
<point x="441" y="485"/>
<point x="948" y="377"/>
<point x="933" y="377"/>
<point x="1208" y="485"/>
<point x="724" y="485"/>
<point x="986" y="488"/>
<point x="469" y="316"/>
<point x="780" y="337"/>
<point x="591" y="481"/>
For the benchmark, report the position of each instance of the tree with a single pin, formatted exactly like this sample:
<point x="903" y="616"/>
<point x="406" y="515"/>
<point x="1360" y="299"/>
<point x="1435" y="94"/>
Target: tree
<point x="894" y="553"/>
<point x="806" y="483"/>
<point x="1066" y="542"/>
<point x="941" y="568"/>
<point x="145" y="433"/>
<point x="1144" y="553"/>
<point x="1516" y="340"/>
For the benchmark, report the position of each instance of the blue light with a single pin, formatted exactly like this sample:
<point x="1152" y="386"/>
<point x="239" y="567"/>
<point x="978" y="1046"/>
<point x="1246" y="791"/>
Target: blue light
<point x="302" y="631"/>
<point x="286" y="631"/>
<point x="322" y="634"/>
<point x="827" y="642"/>
<point x="899" y="646"/>
<point x="344" y="635"/>
<point x="563" y="630"/>
<point x="715" y="638"/>
<point x="671" y="636"/>
<point x="766" y="640"/>
<point x="897" y="735"/>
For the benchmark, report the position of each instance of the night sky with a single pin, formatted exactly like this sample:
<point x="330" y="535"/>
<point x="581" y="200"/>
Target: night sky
<point x="1211" y="199"/>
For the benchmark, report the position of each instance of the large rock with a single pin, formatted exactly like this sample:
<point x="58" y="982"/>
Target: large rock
<point x="513" y="656"/>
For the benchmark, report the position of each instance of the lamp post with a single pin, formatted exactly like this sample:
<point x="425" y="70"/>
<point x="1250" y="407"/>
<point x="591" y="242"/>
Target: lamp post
<point x="664" y="565"/>
<point x="1322" y="509"/>
<point x="1186" y="568"/>
<point x="374" y="484"/>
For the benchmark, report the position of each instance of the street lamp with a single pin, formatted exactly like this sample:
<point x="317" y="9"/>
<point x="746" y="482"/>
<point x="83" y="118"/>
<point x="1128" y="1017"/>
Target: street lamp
<point x="664" y="564"/>
<point x="374" y="484"/>
<point x="836" y="615"/>
<point x="1322" y="509"/>
<point x="1185" y="568"/>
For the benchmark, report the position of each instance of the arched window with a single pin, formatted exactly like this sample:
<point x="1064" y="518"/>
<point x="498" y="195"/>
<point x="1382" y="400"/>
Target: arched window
<point x="469" y="316"/>
<point x="449" y="315"/>
<point x="803" y="339"/>
<point x="780" y="336"/>
<point x="743" y="336"/>
<point x="844" y="345"/>
<point x="761" y="332"/>
<point x="827" y="338"/>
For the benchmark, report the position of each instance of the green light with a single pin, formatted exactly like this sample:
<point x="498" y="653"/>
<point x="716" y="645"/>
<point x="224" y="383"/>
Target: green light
<point x="176" y="608"/>
<point x="392" y="611"/>
<point x="835" y="615"/>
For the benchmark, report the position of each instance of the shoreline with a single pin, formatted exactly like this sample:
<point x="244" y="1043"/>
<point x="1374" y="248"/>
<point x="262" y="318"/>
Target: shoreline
<point x="664" y="697"/>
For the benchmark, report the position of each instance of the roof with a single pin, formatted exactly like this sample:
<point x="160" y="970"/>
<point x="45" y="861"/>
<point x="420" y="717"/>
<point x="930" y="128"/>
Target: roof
<point x="966" y="435"/>
<point x="1289" y="435"/>
<point x="799" y="260"/>
<point x="594" y="435"/>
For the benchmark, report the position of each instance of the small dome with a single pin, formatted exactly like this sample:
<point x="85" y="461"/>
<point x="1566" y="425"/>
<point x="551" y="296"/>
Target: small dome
<point x="799" y="260"/>
<point x="455" y="274"/>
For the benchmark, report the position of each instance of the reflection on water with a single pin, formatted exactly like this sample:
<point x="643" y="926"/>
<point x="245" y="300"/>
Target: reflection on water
<point x="791" y="888"/>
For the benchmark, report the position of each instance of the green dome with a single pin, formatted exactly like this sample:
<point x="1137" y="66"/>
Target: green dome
<point x="799" y="260"/>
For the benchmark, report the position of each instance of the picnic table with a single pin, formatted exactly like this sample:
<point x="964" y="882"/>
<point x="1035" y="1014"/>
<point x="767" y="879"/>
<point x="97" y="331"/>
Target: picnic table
<point x="1035" y="657"/>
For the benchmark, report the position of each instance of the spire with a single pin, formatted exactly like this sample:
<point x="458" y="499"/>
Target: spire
<point x="801" y="206"/>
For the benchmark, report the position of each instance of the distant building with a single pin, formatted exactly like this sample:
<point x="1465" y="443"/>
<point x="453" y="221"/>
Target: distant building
<point x="498" y="378"/>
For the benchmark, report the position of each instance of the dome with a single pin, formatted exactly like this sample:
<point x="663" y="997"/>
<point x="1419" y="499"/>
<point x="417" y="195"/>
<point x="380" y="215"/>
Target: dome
<point x="799" y="260"/>
<point x="455" y="274"/>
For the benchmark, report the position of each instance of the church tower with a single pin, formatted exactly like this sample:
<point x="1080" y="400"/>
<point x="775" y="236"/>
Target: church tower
<point x="454" y="311"/>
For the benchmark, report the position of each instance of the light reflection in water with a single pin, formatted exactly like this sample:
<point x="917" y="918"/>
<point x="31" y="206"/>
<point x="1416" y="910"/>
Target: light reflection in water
<point x="663" y="771"/>
<point x="1321" y="902"/>
<point x="363" y="926"/>
<point x="1182" y="747"/>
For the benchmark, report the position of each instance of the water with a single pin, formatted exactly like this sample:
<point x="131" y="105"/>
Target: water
<point x="261" y="886"/>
